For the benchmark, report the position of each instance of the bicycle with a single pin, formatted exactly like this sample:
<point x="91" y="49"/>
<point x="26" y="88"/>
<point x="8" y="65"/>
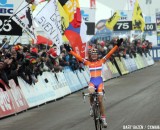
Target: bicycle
<point x="96" y="110"/>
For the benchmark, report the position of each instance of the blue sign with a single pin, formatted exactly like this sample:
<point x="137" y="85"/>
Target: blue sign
<point x="85" y="15"/>
<point x="148" y="19"/>
<point x="6" y="8"/>
<point x="3" y="3"/>
<point x="123" y="14"/>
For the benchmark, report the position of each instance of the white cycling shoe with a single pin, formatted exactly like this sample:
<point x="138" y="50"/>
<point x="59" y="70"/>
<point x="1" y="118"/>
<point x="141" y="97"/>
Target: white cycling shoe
<point x="91" y="112"/>
<point x="104" y="122"/>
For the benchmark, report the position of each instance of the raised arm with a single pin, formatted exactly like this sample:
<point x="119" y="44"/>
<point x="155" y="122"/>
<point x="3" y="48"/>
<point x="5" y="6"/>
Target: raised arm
<point x="78" y="57"/>
<point x="112" y="50"/>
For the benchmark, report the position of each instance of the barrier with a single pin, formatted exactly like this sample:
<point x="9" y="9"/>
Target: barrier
<point x="19" y="100"/>
<point x="81" y="78"/>
<point x="155" y="52"/>
<point x="48" y="85"/>
<point x="7" y="106"/>
<point x="106" y="72"/>
<point x="132" y="63"/>
<point x="72" y="79"/>
<point x="113" y="69"/>
<point x="52" y="80"/>
<point x="51" y="86"/>
<point x="149" y="59"/>
<point x="121" y="65"/>
<point x="137" y="62"/>
<point x="140" y="61"/>
<point x="62" y="84"/>
<point x="86" y="75"/>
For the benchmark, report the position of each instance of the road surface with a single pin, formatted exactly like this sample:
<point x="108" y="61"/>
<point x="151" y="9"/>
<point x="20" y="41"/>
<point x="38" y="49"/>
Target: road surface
<point x="132" y="101"/>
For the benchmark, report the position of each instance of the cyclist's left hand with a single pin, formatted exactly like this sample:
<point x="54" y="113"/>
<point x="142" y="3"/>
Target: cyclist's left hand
<point x="91" y="90"/>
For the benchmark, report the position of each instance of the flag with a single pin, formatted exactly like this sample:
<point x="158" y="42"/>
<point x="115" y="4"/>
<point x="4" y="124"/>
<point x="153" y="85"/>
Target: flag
<point x="138" y="22"/>
<point x="64" y="21"/>
<point x="49" y="20"/>
<point x="111" y="22"/>
<point x="131" y="4"/>
<point x="23" y="17"/>
<point x="73" y="31"/>
<point x="83" y="32"/>
<point x="93" y="4"/>
<point x="72" y="9"/>
<point x="35" y="2"/>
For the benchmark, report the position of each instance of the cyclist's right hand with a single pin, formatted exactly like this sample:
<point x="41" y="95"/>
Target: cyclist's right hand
<point x="91" y="90"/>
<point x="67" y="47"/>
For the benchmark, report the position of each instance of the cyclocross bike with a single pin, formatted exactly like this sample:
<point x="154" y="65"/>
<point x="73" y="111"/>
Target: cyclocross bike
<point x="96" y="110"/>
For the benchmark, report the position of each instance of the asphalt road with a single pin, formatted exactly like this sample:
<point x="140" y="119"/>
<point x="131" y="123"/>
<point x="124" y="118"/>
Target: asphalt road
<point x="132" y="101"/>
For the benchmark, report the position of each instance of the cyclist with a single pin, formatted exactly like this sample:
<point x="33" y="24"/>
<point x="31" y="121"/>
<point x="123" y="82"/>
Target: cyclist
<point x="95" y="68"/>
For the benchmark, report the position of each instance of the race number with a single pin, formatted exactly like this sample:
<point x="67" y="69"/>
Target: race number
<point x="123" y="26"/>
<point x="5" y="25"/>
<point x="9" y="27"/>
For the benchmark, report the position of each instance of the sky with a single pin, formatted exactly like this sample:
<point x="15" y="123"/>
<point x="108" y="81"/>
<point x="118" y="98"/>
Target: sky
<point x="102" y="11"/>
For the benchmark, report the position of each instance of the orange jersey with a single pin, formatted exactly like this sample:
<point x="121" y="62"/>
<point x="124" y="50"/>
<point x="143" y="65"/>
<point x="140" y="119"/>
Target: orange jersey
<point x="95" y="67"/>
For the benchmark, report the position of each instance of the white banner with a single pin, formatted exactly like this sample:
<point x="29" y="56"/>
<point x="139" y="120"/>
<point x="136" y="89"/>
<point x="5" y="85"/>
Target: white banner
<point x="50" y="21"/>
<point x="23" y="17"/>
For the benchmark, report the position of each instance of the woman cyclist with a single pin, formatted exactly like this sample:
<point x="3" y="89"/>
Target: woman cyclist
<point x="95" y="68"/>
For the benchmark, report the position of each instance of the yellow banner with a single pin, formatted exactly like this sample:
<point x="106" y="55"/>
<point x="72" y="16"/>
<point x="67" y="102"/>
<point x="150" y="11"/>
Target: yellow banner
<point x="64" y="16"/>
<point x="137" y="19"/>
<point x="70" y="7"/>
<point x="64" y="21"/>
<point x="113" y="20"/>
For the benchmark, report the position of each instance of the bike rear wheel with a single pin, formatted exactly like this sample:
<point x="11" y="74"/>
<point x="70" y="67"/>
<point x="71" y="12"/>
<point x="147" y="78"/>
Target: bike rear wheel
<point x="97" y="117"/>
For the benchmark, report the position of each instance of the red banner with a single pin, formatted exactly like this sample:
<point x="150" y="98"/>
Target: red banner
<point x="92" y="3"/>
<point x="11" y="100"/>
<point x="6" y="102"/>
<point x="76" y="42"/>
<point x="19" y="100"/>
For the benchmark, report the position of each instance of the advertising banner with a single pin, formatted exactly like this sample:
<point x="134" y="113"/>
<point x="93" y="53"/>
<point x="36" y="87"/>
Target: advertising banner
<point x="158" y="27"/>
<point x="7" y="106"/>
<point x="23" y="17"/>
<point x="9" y="27"/>
<point x="123" y="26"/>
<point x="6" y="7"/>
<point x="20" y="102"/>
<point x="158" y="21"/>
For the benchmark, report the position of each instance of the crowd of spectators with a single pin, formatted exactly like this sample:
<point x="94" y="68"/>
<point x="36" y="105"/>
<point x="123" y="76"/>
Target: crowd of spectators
<point x="127" y="48"/>
<point x="29" y="61"/>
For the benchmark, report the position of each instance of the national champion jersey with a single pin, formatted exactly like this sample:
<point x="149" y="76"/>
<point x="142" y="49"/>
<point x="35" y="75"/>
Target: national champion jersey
<point x="95" y="67"/>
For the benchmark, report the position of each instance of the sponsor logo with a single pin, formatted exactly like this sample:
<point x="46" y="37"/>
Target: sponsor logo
<point x="85" y="16"/>
<point x="123" y="16"/>
<point x="5" y="8"/>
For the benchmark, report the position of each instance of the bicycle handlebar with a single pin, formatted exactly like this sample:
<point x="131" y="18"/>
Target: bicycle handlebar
<point x="91" y="94"/>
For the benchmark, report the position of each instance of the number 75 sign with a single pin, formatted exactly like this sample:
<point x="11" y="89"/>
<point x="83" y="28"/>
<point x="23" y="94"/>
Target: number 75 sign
<point x="123" y="26"/>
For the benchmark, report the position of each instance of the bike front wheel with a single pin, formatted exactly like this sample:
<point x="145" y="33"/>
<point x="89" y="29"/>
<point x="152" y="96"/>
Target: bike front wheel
<point x="97" y="118"/>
